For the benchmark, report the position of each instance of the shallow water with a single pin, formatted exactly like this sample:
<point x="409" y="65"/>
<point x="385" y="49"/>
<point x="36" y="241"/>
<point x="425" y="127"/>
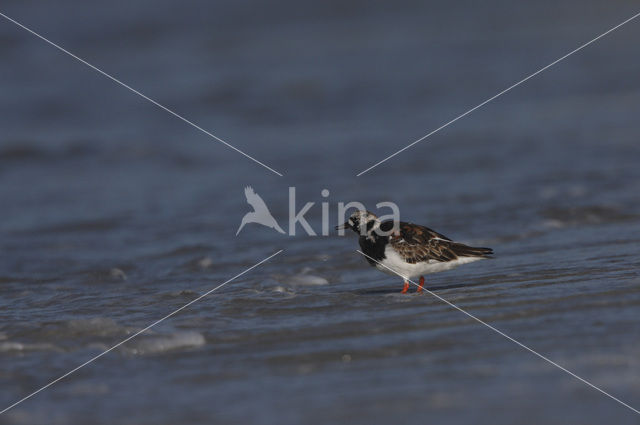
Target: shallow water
<point x="114" y="213"/>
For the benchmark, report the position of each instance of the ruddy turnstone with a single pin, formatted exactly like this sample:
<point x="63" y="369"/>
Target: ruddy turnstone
<point x="409" y="250"/>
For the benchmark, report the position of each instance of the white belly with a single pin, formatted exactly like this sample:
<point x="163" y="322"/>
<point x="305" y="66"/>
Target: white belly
<point x="410" y="271"/>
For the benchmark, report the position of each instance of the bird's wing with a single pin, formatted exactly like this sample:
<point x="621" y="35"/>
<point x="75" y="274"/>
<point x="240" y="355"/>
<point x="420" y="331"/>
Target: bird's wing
<point x="254" y="199"/>
<point x="416" y="234"/>
<point x="416" y="244"/>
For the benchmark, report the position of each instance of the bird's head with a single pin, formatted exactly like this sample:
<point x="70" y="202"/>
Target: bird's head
<point x="362" y="222"/>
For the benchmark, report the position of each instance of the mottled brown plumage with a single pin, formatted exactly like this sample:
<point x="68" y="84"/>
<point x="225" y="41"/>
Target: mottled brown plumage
<point x="415" y="243"/>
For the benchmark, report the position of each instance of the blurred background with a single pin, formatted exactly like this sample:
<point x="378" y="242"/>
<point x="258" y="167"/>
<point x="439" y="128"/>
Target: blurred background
<point x="115" y="213"/>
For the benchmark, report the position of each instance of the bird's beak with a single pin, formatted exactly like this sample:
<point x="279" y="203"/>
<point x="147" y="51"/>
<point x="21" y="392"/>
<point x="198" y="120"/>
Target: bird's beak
<point x="343" y="226"/>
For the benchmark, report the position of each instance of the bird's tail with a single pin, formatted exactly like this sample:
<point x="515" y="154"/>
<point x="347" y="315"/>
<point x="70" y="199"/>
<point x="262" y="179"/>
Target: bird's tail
<point x="278" y="228"/>
<point x="241" y="225"/>
<point x="462" y="250"/>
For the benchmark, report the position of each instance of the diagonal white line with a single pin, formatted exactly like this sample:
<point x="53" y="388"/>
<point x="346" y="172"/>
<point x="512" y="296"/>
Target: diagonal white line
<point x="499" y="94"/>
<point x="136" y="334"/>
<point x="498" y="331"/>
<point x="175" y="114"/>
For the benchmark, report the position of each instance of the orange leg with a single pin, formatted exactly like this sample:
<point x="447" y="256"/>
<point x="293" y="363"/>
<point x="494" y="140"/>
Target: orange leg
<point x="405" y="288"/>
<point x="421" y="286"/>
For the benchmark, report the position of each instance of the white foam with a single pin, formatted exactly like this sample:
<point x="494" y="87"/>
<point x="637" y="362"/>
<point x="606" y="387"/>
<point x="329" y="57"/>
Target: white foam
<point x="13" y="346"/>
<point x="95" y="326"/>
<point x="118" y="274"/>
<point x="163" y="343"/>
<point x="305" y="279"/>
<point x="205" y="262"/>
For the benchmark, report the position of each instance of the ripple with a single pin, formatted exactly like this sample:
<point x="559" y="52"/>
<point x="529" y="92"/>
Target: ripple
<point x="158" y="344"/>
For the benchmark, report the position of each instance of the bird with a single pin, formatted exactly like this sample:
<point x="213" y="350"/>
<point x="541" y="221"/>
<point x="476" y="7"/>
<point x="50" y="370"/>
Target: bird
<point x="260" y="213"/>
<point x="407" y="249"/>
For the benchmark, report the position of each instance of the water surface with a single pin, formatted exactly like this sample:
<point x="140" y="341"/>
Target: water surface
<point x="115" y="213"/>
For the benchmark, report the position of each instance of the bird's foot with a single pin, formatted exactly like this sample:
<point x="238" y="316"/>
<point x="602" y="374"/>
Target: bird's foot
<point x="421" y="286"/>
<point x="405" y="288"/>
